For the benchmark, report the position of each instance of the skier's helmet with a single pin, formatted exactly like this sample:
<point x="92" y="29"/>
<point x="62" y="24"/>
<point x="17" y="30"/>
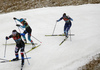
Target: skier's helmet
<point x="14" y="32"/>
<point x="21" y="20"/>
<point x="64" y="14"/>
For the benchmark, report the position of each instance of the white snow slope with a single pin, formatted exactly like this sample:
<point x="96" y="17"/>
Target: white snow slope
<point x="50" y="56"/>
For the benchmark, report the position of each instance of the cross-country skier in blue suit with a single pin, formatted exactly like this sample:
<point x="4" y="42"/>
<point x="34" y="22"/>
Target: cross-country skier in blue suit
<point x="68" y="23"/>
<point x="27" y="29"/>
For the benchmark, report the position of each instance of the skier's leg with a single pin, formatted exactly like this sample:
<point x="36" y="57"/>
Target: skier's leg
<point x="22" y="55"/>
<point x="16" y="53"/>
<point x="23" y="34"/>
<point x="29" y="30"/>
<point x="69" y="26"/>
<point x="65" y="30"/>
<point x="29" y="38"/>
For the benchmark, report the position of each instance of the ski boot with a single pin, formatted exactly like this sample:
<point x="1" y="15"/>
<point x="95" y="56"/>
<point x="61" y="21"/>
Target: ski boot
<point x="15" y="59"/>
<point x="66" y="35"/>
<point x="33" y="45"/>
<point x="25" y="41"/>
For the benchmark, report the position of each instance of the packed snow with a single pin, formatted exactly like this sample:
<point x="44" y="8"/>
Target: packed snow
<point x="73" y="53"/>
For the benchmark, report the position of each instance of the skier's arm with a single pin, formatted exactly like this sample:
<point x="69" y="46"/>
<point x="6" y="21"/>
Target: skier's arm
<point x="16" y="19"/>
<point x="20" y="25"/>
<point x="23" y="26"/>
<point x="70" y="18"/>
<point x="60" y="19"/>
<point x="8" y="37"/>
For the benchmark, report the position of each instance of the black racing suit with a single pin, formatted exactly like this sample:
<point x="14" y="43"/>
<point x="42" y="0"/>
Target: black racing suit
<point x="19" y="46"/>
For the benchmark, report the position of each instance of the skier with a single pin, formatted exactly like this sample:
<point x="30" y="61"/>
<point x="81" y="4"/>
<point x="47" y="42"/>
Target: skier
<point x="19" y="45"/>
<point x="27" y="29"/>
<point x="67" y="25"/>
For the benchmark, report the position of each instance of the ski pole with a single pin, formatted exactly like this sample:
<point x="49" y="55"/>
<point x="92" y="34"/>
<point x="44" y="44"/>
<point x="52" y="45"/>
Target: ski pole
<point x="27" y="59"/>
<point x="18" y="27"/>
<point x="70" y="35"/>
<point x="5" y="48"/>
<point x="32" y="36"/>
<point x="36" y="39"/>
<point x="54" y="28"/>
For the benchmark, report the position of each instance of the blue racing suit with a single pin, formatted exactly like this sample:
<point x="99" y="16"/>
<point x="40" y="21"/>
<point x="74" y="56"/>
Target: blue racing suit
<point x="68" y="23"/>
<point x="27" y="29"/>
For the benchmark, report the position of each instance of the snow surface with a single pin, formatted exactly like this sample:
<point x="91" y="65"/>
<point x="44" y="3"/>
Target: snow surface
<point x="50" y="56"/>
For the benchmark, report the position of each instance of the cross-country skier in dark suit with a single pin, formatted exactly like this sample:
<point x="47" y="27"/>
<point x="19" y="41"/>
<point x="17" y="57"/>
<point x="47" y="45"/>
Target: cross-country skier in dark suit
<point x="68" y="23"/>
<point x="19" y="45"/>
<point x="27" y="29"/>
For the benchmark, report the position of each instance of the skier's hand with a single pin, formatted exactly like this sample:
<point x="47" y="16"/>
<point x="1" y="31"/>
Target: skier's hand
<point x="17" y="25"/>
<point x="14" y="18"/>
<point x="7" y="38"/>
<point x="57" y="21"/>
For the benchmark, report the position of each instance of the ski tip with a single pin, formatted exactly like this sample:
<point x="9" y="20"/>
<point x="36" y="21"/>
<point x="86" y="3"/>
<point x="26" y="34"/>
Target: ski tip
<point x="29" y="57"/>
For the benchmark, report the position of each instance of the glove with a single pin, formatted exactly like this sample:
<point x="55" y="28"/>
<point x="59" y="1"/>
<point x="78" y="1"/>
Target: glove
<point x="14" y="18"/>
<point x="17" y="25"/>
<point x="57" y="20"/>
<point x="7" y="38"/>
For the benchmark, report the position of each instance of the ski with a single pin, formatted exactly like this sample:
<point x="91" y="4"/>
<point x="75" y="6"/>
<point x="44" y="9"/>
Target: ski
<point x="33" y="48"/>
<point x="60" y="35"/>
<point x="63" y="41"/>
<point x="2" y="59"/>
<point x="15" y="44"/>
<point x="13" y="60"/>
